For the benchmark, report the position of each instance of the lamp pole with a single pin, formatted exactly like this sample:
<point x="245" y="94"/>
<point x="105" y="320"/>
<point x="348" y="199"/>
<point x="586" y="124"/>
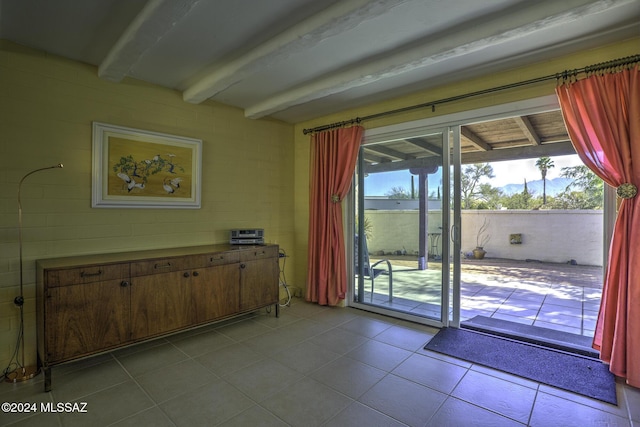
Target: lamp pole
<point x="22" y="372"/>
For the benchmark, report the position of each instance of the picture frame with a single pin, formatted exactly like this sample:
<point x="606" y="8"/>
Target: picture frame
<point x="135" y="168"/>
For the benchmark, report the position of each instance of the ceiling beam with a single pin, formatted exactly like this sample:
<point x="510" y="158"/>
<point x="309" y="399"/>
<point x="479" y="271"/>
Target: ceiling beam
<point x="425" y="145"/>
<point x="390" y="152"/>
<point x="372" y="158"/>
<point x="527" y="128"/>
<point x="338" y="18"/>
<point x="525" y="21"/>
<point x="155" y="20"/>
<point x="528" y="152"/>
<point x="474" y="139"/>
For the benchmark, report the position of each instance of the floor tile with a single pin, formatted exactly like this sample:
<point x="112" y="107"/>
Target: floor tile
<point x="379" y="355"/>
<point x="632" y="399"/>
<point x="150" y="417"/>
<point x="335" y="316"/>
<point x="324" y="403"/>
<point x="305" y="357"/>
<point x="207" y="405"/>
<point x="30" y="392"/>
<point x="621" y="409"/>
<point x="39" y="419"/>
<point x="457" y="413"/>
<point x="150" y="359"/>
<point x="365" y="326"/>
<point x="290" y="374"/>
<point x="90" y="380"/>
<point x="287" y="317"/>
<point x="348" y="376"/>
<point x="506" y="376"/>
<point x="263" y="378"/>
<point x="404" y="400"/>
<point x="358" y="414"/>
<point x="254" y="416"/>
<point x="445" y="358"/>
<point x="404" y="338"/>
<point x="338" y="340"/>
<point x="109" y="405"/>
<point x="280" y="339"/>
<point x="173" y="380"/>
<point x="195" y="345"/>
<point x="433" y="373"/>
<point x="503" y="397"/>
<point x="553" y="410"/>
<point x="245" y="330"/>
<point x="229" y="359"/>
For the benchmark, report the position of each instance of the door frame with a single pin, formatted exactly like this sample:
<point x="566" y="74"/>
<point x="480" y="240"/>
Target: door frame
<point x="349" y="221"/>
<point x="407" y="129"/>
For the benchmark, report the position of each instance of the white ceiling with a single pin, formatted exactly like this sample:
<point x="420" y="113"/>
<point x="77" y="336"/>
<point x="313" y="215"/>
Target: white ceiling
<point x="299" y="59"/>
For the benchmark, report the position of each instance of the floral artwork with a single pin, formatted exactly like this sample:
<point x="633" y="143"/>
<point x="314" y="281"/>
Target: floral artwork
<point x="142" y="169"/>
<point x="147" y="170"/>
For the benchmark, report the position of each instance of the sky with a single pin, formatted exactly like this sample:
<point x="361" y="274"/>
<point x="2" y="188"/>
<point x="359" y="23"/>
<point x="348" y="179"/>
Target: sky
<point x="506" y="172"/>
<point x="516" y="171"/>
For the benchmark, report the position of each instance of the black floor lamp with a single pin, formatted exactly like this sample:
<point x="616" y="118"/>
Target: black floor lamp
<point x="17" y="371"/>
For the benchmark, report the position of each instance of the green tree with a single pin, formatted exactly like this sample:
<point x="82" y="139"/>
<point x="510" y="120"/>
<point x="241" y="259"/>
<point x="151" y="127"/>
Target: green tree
<point x="544" y="164"/>
<point x="398" y="193"/>
<point x="585" y="192"/>
<point x="522" y="200"/>
<point x="488" y="197"/>
<point x="471" y="188"/>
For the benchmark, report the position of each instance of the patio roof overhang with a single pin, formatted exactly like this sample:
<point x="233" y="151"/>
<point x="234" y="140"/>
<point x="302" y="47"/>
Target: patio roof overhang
<point x="520" y="137"/>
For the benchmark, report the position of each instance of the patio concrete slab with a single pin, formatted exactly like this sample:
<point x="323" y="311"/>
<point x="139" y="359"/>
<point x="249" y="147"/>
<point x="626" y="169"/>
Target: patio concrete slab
<point x="562" y="297"/>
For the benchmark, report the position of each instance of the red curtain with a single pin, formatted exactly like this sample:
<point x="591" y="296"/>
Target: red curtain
<point x="602" y="114"/>
<point x="333" y="161"/>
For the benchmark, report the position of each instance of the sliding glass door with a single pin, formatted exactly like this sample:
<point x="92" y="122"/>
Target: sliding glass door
<point x="403" y="224"/>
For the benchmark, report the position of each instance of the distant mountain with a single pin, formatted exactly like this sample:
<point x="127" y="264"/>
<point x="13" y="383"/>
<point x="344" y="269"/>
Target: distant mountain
<point x="554" y="186"/>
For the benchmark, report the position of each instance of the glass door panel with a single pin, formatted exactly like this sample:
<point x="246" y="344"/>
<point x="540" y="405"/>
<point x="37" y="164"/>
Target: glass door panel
<point x="402" y="223"/>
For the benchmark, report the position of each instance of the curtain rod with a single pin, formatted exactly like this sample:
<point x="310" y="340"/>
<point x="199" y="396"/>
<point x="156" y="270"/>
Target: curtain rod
<point x="565" y="74"/>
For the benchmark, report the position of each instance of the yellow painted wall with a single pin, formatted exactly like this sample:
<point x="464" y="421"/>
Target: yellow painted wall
<point x="577" y="60"/>
<point x="47" y="106"/>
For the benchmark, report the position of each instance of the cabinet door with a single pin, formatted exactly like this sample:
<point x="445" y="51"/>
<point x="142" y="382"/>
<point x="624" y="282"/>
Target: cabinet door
<point x="216" y="292"/>
<point x="258" y="283"/>
<point x="86" y="318"/>
<point x="160" y="303"/>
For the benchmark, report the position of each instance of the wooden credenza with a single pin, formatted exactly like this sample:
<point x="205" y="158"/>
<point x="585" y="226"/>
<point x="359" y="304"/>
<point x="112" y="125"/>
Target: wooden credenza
<point x="94" y="303"/>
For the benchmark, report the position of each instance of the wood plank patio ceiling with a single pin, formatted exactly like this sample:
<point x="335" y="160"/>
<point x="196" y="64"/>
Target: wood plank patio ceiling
<point x="519" y="137"/>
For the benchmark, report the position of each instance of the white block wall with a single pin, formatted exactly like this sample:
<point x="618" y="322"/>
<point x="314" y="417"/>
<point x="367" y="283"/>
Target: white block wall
<point x="547" y="235"/>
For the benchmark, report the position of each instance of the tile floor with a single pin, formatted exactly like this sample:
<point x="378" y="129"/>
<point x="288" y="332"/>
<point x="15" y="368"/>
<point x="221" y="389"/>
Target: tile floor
<point x="313" y="366"/>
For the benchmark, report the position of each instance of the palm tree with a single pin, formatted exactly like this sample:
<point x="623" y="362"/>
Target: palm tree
<point x="544" y="164"/>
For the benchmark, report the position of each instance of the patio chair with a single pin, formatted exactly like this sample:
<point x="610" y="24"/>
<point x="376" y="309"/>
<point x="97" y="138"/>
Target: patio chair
<point x="370" y="272"/>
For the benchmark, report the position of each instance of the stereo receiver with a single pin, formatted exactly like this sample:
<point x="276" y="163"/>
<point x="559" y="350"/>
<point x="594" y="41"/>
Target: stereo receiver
<point x="250" y="236"/>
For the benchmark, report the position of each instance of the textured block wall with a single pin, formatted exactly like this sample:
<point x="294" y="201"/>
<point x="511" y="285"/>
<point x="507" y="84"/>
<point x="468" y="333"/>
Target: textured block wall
<point x="47" y="106"/>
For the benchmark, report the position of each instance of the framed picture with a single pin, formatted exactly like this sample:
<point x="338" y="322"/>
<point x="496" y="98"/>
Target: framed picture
<point x="135" y="168"/>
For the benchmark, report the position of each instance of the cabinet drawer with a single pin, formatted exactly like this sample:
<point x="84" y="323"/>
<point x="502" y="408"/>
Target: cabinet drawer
<point x="86" y="274"/>
<point x="221" y="258"/>
<point x="160" y="265"/>
<point x="259" y="253"/>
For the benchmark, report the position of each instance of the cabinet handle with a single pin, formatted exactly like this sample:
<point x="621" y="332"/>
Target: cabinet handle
<point x="167" y="265"/>
<point x="217" y="258"/>
<point x="243" y="265"/>
<point x="124" y="283"/>
<point x="186" y="274"/>
<point x="196" y="274"/>
<point x="85" y="274"/>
